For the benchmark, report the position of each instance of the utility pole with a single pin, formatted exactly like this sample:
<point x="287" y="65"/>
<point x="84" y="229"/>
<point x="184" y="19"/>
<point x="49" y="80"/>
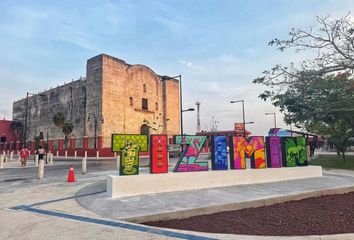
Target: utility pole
<point x="198" y="115"/>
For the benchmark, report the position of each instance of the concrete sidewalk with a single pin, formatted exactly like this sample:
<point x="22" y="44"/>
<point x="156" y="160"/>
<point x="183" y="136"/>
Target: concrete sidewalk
<point x="169" y="205"/>
<point x="50" y="210"/>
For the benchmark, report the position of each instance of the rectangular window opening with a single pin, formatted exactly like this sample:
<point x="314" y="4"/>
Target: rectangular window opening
<point x="144" y="104"/>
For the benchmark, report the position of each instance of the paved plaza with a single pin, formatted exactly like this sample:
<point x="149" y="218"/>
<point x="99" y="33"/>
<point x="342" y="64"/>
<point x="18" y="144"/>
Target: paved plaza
<point x="51" y="208"/>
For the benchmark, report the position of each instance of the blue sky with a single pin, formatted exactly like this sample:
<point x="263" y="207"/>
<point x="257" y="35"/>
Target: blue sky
<point x="218" y="46"/>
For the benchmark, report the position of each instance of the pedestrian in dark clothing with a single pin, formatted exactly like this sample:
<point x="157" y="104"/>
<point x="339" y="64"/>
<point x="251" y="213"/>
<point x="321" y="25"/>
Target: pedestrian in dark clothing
<point x="41" y="153"/>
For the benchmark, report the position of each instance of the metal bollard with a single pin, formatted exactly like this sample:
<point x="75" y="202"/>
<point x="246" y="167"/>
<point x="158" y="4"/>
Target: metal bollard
<point x="85" y="154"/>
<point x="117" y="162"/>
<point x="66" y="153"/>
<point x="11" y="155"/>
<point x="2" y="161"/>
<point x="84" y="165"/>
<point x="36" y="160"/>
<point x="75" y="154"/>
<point x="40" y="169"/>
<point x="97" y="154"/>
<point x="51" y="162"/>
<point x="57" y="153"/>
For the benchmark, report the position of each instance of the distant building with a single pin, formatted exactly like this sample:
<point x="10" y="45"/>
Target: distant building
<point x="238" y="131"/>
<point x="115" y="97"/>
<point x="7" y="133"/>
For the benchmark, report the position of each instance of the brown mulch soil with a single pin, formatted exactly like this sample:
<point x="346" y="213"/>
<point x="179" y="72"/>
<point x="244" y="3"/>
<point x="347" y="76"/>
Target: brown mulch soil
<point x="332" y="214"/>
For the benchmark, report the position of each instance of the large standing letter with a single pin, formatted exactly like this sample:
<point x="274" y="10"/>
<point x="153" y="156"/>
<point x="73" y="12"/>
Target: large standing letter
<point x="274" y="158"/>
<point x="218" y="153"/>
<point x="187" y="162"/>
<point x="158" y="154"/>
<point x="294" y="151"/>
<point x="129" y="146"/>
<point x="239" y="148"/>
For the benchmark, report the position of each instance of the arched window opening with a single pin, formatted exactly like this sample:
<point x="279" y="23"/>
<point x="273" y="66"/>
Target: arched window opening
<point x="144" y="88"/>
<point x="144" y="129"/>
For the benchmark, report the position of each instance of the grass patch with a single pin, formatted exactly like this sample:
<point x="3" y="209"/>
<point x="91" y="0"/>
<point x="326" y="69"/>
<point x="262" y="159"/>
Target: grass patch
<point x="333" y="161"/>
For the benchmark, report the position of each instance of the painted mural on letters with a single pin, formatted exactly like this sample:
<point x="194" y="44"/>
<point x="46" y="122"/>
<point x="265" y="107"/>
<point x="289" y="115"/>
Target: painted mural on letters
<point x="219" y="153"/>
<point x="158" y="154"/>
<point x="294" y="151"/>
<point x="240" y="148"/>
<point x="274" y="156"/>
<point x="129" y="145"/>
<point x="281" y="152"/>
<point x="188" y="161"/>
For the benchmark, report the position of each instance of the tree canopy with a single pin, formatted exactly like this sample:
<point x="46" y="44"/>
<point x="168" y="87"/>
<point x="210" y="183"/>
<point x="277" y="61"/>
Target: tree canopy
<point x="318" y="93"/>
<point x="59" y="119"/>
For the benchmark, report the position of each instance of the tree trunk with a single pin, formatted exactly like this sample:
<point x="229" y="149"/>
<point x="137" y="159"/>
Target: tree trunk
<point x="343" y="157"/>
<point x="66" y="141"/>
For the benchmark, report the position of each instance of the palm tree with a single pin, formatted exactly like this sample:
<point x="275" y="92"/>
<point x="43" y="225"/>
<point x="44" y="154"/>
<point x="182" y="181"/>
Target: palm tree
<point x="66" y="127"/>
<point x="59" y="120"/>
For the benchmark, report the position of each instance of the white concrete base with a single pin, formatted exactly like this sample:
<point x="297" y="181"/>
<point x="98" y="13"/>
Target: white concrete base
<point x="123" y="186"/>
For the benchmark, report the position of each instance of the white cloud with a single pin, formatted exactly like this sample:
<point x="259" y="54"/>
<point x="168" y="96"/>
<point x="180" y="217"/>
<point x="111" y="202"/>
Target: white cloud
<point x="186" y="63"/>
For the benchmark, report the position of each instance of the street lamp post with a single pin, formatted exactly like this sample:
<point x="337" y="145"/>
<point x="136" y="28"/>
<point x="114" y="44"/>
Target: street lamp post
<point x="95" y="143"/>
<point x="95" y="127"/>
<point x="25" y="128"/>
<point x="180" y="97"/>
<point x="243" y="115"/>
<point x="275" y="118"/>
<point x="182" y="111"/>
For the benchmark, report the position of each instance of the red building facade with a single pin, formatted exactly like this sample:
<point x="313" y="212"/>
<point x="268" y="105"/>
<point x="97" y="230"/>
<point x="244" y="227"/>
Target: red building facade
<point x="7" y="131"/>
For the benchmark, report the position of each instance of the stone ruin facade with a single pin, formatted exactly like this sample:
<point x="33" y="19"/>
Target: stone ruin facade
<point x="115" y="97"/>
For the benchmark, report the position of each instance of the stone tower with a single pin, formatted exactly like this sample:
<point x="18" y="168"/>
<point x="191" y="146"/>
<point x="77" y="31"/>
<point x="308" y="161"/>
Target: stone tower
<point x="115" y="97"/>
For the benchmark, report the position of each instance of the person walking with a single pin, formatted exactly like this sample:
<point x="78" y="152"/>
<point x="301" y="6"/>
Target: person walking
<point x="24" y="154"/>
<point x="41" y="153"/>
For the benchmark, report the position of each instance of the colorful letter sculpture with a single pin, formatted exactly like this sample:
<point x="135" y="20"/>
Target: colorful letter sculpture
<point x="294" y="151"/>
<point x="218" y="153"/>
<point x="129" y="146"/>
<point x="158" y="154"/>
<point x="188" y="160"/>
<point x="274" y="156"/>
<point x="281" y="152"/>
<point x="239" y="148"/>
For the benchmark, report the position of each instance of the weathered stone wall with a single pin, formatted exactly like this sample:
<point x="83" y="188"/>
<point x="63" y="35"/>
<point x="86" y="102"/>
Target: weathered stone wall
<point x="123" y="88"/>
<point x="68" y="99"/>
<point x="93" y="111"/>
<point x="108" y="100"/>
<point x="172" y="105"/>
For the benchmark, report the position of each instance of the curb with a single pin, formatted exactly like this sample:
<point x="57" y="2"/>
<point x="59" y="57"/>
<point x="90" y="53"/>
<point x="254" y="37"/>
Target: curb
<point x="235" y="206"/>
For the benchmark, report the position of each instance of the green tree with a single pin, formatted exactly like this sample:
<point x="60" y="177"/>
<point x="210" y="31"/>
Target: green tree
<point x="66" y="127"/>
<point x="59" y="120"/>
<point x="314" y="94"/>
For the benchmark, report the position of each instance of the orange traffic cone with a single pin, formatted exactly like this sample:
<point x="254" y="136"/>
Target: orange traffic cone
<point x="71" y="176"/>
